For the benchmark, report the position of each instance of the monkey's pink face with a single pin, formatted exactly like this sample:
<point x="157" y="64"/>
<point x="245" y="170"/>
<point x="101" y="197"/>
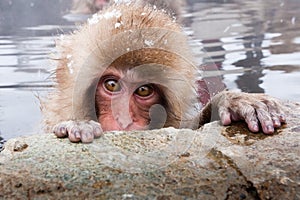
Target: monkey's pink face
<point x="122" y="104"/>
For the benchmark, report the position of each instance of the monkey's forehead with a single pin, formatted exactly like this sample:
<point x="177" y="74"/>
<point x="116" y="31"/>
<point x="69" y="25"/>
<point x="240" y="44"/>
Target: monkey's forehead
<point x="131" y="27"/>
<point x="144" y="36"/>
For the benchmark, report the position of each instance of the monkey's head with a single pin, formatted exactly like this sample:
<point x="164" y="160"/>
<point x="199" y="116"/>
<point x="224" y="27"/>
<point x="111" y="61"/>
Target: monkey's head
<point x="130" y="68"/>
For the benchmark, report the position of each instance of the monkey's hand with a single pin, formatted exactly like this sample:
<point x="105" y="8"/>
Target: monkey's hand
<point x="258" y="110"/>
<point x="76" y="131"/>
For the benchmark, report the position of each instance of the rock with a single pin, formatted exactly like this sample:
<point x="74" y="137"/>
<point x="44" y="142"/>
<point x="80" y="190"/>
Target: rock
<point x="213" y="162"/>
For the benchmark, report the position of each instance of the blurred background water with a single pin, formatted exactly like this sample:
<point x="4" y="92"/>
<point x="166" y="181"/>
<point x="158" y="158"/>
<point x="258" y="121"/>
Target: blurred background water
<point x="254" y="43"/>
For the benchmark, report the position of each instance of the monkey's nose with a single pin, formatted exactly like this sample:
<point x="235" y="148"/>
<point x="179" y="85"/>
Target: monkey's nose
<point x="121" y="111"/>
<point x="124" y="120"/>
<point x="122" y="115"/>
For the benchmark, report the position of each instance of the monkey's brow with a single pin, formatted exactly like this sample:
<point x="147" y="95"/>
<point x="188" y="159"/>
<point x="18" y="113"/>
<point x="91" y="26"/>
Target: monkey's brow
<point x="141" y="80"/>
<point x="159" y="75"/>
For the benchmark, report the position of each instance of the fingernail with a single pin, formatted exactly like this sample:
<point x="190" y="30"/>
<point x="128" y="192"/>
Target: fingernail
<point x="62" y="130"/>
<point x="270" y="129"/>
<point x="77" y="134"/>
<point x="277" y="123"/>
<point x="255" y="127"/>
<point x="90" y="135"/>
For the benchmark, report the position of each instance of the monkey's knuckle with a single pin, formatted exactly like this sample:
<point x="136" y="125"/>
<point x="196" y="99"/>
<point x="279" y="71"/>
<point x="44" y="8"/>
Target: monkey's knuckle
<point x="272" y="105"/>
<point x="260" y="106"/>
<point x="264" y="116"/>
<point x="223" y="110"/>
<point x="74" y="130"/>
<point x="247" y="110"/>
<point x="60" y="130"/>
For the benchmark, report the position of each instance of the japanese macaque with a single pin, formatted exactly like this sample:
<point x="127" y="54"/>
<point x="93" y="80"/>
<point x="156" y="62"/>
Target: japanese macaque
<point x="131" y="68"/>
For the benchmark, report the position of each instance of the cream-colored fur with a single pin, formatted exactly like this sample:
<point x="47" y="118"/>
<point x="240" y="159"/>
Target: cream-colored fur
<point x="123" y="35"/>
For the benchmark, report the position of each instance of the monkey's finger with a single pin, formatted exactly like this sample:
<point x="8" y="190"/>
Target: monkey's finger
<point x="265" y="120"/>
<point x="74" y="133"/>
<point x="235" y="116"/>
<point x="282" y="118"/>
<point x="86" y="132"/>
<point x="248" y="113"/>
<point x="277" y="113"/>
<point x="87" y="136"/>
<point x="276" y="120"/>
<point x="225" y="116"/>
<point x="98" y="132"/>
<point x="97" y="129"/>
<point x="60" y="130"/>
<point x="73" y="138"/>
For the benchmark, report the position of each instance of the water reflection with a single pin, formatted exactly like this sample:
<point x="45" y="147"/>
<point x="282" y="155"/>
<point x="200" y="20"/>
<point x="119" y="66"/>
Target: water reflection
<point x="254" y="43"/>
<point x="24" y="67"/>
<point x="254" y="36"/>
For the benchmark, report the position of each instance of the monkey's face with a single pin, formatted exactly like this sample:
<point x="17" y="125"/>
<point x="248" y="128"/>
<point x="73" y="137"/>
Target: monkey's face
<point x="123" y="102"/>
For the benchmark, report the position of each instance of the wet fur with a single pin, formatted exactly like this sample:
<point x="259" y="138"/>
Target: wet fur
<point x="135" y="36"/>
<point x="76" y="48"/>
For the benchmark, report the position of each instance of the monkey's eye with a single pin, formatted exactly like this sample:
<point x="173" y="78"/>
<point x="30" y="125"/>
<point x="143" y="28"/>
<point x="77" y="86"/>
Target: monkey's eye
<point x="112" y="85"/>
<point x="144" y="91"/>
